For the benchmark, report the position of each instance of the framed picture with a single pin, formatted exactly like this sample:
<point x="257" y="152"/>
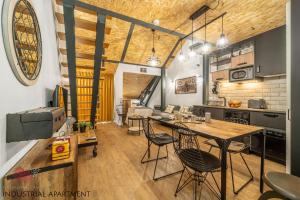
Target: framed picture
<point x="186" y="85"/>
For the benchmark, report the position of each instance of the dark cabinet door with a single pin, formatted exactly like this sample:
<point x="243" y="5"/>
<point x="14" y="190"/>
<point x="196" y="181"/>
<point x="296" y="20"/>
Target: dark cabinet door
<point x="270" y="52"/>
<point x="216" y="113"/>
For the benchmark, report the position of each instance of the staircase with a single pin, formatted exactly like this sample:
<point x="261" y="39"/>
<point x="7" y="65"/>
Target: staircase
<point x="147" y="93"/>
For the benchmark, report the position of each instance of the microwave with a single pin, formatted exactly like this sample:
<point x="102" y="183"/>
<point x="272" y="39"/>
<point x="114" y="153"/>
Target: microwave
<point x="241" y="74"/>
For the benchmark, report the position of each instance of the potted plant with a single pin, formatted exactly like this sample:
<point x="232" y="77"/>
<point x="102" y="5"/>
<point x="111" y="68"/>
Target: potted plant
<point x="82" y="126"/>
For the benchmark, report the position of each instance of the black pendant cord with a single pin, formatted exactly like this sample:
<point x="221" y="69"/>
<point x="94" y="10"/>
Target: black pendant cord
<point x="222" y="25"/>
<point x="192" y="31"/>
<point x="153" y="47"/>
<point x="205" y="28"/>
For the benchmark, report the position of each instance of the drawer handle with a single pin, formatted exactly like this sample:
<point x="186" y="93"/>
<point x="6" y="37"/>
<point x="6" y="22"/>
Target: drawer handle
<point x="271" y="115"/>
<point x="242" y="63"/>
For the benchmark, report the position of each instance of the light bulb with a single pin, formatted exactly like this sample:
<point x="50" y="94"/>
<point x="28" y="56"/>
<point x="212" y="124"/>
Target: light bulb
<point x="181" y="57"/>
<point x="205" y="48"/>
<point x="192" y="53"/>
<point x="222" y="41"/>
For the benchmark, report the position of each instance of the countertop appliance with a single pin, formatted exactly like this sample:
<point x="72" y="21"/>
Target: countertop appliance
<point x="257" y="104"/>
<point x="241" y="74"/>
<point x="39" y="123"/>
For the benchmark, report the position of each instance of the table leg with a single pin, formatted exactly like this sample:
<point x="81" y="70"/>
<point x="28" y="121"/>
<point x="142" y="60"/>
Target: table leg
<point x="224" y="147"/>
<point x="148" y="129"/>
<point x="262" y="161"/>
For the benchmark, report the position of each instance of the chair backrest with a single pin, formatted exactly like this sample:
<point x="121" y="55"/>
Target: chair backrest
<point x="148" y="128"/>
<point x="184" y="138"/>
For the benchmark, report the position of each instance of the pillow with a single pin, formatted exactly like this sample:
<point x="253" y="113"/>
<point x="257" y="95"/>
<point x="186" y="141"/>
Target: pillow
<point x="169" y="109"/>
<point x="184" y="109"/>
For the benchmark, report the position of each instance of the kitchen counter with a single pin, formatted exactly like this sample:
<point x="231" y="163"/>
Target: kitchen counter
<point x="246" y="109"/>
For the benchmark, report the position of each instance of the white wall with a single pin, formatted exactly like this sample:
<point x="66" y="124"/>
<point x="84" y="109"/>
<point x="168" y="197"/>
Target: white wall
<point x="16" y="97"/>
<point x="191" y="67"/>
<point x="118" y="82"/>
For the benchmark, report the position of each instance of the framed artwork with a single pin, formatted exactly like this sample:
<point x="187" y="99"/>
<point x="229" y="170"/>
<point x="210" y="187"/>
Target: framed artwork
<point x="186" y="85"/>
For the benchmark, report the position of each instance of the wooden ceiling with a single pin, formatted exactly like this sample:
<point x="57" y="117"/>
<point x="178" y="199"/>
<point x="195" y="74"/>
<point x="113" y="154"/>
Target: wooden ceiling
<point x="244" y="19"/>
<point x="134" y="84"/>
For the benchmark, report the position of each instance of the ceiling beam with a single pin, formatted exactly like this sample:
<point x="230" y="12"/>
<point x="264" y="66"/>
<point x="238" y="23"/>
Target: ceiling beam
<point x="128" y="63"/>
<point x="127" y="42"/>
<point x="68" y="6"/>
<point x="171" y="53"/>
<point x="127" y="18"/>
<point x="97" y="63"/>
<point x="80" y="55"/>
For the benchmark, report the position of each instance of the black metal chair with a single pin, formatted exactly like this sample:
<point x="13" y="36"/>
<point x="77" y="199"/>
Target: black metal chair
<point x="198" y="164"/>
<point x="235" y="147"/>
<point x="160" y="140"/>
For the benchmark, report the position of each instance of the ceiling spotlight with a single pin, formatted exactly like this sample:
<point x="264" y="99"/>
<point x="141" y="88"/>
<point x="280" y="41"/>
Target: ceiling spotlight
<point x="222" y="41"/>
<point x="156" y="22"/>
<point x="153" y="60"/>
<point x="181" y="57"/>
<point x="192" y="53"/>
<point x="205" y="49"/>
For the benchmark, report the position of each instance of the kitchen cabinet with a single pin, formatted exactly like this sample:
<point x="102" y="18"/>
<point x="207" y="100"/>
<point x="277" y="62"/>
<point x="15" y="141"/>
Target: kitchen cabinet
<point x="269" y="120"/>
<point x="220" y="75"/>
<point x="242" y="60"/>
<point x="216" y="113"/>
<point x="270" y="52"/>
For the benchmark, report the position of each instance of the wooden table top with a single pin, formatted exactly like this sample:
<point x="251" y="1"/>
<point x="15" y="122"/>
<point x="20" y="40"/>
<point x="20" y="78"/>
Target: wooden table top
<point x="39" y="159"/>
<point x="217" y="129"/>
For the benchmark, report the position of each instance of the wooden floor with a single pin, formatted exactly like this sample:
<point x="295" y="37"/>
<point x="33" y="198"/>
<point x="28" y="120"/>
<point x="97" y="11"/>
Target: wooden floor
<point x="117" y="174"/>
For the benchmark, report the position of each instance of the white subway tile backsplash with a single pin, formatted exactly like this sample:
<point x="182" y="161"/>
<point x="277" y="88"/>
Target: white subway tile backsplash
<point x="272" y="89"/>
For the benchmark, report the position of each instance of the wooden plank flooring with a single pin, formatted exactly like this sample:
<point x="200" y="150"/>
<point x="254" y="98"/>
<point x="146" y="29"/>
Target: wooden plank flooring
<point x="117" y="174"/>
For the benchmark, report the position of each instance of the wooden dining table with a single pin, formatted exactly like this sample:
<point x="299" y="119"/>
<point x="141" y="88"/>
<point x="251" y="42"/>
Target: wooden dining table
<point x="223" y="132"/>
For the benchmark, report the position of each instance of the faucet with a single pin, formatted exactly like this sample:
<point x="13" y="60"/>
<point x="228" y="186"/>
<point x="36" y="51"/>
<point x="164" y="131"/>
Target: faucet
<point x="225" y="101"/>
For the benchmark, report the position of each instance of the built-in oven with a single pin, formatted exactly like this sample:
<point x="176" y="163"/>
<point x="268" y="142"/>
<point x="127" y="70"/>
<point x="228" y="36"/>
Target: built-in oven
<point x="275" y="145"/>
<point x="241" y="74"/>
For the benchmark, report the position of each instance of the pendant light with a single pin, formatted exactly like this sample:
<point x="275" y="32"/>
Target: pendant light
<point x="181" y="56"/>
<point x="153" y="60"/>
<point x="192" y="53"/>
<point x="222" y="41"/>
<point x="205" y="49"/>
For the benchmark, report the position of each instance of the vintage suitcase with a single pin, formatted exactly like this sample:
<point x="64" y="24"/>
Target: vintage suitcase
<point x="38" y="123"/>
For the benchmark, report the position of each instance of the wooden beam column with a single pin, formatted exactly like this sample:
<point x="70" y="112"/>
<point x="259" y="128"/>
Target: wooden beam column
<point x="97" y="63"/>
<point x="68" y="6"/>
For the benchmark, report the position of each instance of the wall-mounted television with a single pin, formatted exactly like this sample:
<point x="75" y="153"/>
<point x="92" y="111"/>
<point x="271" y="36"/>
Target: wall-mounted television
<point x="60" y="98"/>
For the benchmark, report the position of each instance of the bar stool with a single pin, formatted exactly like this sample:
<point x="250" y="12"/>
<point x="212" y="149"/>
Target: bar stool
<point x="284" y="186"/>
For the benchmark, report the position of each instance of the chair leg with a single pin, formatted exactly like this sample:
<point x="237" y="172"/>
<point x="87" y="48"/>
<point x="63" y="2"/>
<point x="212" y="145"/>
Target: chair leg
<point x="149" y="160"/>
<point x="195" y="187"/>
<point x="179" y="182"/>
<point x="270" y="195"/>
<point x="232" y="175"/>
<point x="164" y="176"/>
<point x="167" y="151"/>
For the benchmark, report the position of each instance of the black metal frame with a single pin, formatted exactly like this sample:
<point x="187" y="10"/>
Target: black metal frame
<point x="188" y="140"/>
<point x="68" y="6"/>
<point x="224" y="144"/>
<point x="148" y="152"/>
<point x="127" y="42"/>
<point x="97" y="64"/>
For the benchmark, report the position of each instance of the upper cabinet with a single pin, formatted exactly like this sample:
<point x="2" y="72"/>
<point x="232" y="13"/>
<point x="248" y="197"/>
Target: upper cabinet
<point x="242" y="60"/>
<point x="270" y="52"/>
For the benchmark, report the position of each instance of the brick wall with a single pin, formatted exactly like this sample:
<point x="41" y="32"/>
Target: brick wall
<point x="272" y="89"/>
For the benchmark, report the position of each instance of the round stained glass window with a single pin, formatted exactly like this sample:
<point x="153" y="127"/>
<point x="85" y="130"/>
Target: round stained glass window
<point x="22" y="40"/>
